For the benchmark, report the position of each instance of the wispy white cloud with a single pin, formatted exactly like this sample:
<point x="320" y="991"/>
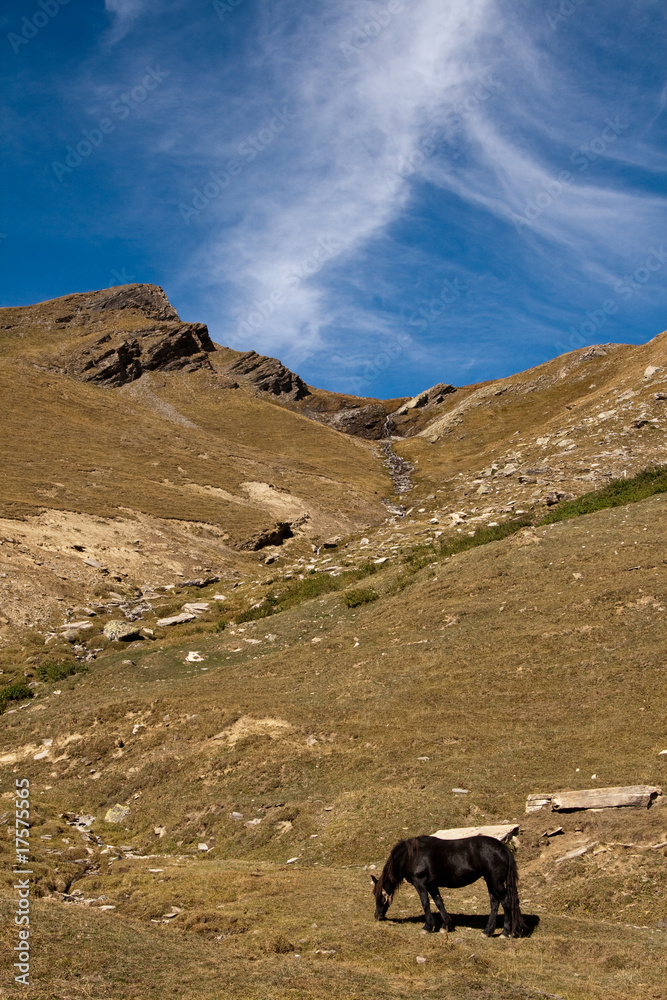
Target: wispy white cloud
<point x="125" y="13"/>
<point x="362" y="92"/>
<point x="368" y="85"/>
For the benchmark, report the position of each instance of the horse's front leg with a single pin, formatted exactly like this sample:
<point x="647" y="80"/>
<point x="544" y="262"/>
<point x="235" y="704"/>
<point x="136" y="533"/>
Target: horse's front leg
<point x="421" y="888"/>
<point x="447" y="922"/>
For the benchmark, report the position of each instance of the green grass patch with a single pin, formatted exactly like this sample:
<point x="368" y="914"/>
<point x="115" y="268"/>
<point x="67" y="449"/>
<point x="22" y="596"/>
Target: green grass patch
<point x="360" y="595"/>
<point x="437" y="551"/>
<point x="14" y="692"/>
<point x="298" y="591"/>
<point x="616" y="494"/>
<point x="58" y="671"/>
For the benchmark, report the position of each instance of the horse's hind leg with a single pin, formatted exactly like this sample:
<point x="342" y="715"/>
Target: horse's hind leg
<point x="491" y="922"/>
<point x="447" y="921"/>
<point x="429" y="925"/>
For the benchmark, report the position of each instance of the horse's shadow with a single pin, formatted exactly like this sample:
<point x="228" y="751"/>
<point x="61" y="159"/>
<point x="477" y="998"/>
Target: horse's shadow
<point x="476" y="921"/>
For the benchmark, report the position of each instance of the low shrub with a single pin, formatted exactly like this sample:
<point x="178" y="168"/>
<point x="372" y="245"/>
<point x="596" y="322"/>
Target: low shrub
<point x="58" y="671"/>
<point x="14" y="692"/>
<point x="362" y="595"/>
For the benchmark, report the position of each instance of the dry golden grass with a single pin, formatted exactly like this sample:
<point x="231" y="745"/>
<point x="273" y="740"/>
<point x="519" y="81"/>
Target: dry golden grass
<point x="505" y="670"/>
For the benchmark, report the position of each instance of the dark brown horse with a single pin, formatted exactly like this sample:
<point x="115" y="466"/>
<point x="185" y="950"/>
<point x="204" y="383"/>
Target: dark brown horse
<point x="429" y="862"/>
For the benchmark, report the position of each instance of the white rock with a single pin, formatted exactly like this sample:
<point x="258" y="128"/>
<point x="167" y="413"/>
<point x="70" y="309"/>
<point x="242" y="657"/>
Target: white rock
<point x="176" y="619"/>
<point x="194" y="657"/>
<point x="197" y="608"/>
<point x="651" y="370"/>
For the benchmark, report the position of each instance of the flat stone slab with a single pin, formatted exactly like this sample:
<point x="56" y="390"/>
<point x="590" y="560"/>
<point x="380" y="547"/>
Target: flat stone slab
<point x="177" y="619"/>
<point x="502" y="832"/>
<point x="637" y="796"/>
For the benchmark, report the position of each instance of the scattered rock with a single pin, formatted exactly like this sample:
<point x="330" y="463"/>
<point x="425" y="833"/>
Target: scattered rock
<point x="116" y="814"/>
<point x="577" y="853"/>
<point x="80" y="822"/>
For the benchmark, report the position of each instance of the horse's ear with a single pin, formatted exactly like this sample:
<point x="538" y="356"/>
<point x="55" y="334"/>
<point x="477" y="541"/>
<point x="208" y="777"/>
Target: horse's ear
<point x="374" y="880"/>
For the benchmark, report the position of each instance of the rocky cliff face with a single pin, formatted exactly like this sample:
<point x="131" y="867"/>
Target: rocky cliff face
<point x="268" y="375"/>
<point x="126" y="345"/>
<point x="117" y="358"/>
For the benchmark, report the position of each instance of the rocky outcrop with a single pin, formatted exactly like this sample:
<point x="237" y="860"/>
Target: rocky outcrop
<point x="147" y="299"/>
<point x="368" y="421"/>
<point x="271" y="536"/>
<point x="268" y="375"/>
<point x="430" y="397"/>
<point x="119" y="357"/>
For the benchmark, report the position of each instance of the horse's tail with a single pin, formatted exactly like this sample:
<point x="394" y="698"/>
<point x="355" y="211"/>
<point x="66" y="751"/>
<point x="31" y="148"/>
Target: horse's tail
<point x="516" y="918"/>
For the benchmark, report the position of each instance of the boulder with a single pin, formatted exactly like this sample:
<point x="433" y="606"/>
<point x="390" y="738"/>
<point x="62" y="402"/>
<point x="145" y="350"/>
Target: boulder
<point x="118" y="631"/>
<point x="116" y="814"/>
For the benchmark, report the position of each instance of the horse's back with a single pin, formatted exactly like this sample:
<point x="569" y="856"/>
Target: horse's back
<point x="471" y="854"/>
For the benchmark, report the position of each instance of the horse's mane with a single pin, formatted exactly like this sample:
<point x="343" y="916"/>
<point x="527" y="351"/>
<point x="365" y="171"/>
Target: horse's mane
<point x="393" y="872"/>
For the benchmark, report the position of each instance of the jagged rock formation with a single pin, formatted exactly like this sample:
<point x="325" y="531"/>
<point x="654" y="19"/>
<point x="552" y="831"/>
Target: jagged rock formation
<point x="147" y="299"/>
<point x="268" y="375"/>
<point x="120" y="357"/>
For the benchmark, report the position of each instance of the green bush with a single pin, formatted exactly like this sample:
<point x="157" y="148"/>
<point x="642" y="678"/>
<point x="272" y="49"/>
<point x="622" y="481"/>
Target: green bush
<point x="58" y="671"/>
<point x="362" y="595"/>
<point x="14" y="692"/>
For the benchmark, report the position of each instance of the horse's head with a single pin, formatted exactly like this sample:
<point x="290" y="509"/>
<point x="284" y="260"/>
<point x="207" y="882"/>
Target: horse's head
<point x="382" y="899"/>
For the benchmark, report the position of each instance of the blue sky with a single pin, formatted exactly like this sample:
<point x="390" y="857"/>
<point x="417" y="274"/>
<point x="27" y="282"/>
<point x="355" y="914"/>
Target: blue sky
<point x="383" y="194"/>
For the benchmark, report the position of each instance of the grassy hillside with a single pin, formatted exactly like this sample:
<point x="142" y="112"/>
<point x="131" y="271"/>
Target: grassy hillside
<point x="527" y="664"/>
